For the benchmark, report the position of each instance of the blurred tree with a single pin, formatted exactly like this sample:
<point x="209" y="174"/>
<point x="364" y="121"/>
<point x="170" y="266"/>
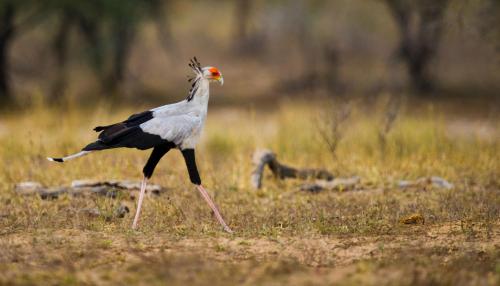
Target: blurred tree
<point x="7" y="32"/>
<point x="420" y="25"/>
<point x="108" y="29"/>
<point x="124" y="18"/>
<point x="490" y="26"/>
<point x="60" y="51"/>
<point x="319" y="56"/>
<point x="159" y="12"/>
<point x="331" y="73"/>
<point x="15" y="16"/>
<point x="71" y="15"/>
<point x="242" y="18"/>
<point x="301" y="16"/>
<point x="246" y="40"/>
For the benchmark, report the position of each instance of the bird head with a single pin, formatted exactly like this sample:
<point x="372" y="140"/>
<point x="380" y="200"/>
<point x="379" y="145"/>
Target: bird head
<point x="209" y="73"/>
<point x="212" y="74"/>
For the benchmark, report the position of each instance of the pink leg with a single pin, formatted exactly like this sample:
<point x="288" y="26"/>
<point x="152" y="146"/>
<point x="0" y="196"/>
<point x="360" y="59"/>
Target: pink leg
<point x="207" y="198"/>
<point x="139" y="203"/>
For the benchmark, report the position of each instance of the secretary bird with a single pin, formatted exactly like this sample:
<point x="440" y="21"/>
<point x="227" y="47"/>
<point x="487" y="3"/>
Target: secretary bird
<point x="170" y="126"/>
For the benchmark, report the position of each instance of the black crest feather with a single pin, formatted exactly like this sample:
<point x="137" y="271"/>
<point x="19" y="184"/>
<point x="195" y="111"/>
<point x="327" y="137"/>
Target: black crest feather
<point x="195" y="65"/>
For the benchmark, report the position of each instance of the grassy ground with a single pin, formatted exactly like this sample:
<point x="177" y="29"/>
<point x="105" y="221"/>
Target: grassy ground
<point x="282" y="236"/>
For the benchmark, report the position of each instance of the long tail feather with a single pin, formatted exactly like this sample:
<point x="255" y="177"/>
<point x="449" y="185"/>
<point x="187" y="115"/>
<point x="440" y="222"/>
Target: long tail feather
<point x="70" y="157"/>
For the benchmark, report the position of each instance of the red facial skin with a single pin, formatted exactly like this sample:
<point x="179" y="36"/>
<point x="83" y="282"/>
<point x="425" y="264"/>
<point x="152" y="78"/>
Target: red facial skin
<point x="215" y="72"/>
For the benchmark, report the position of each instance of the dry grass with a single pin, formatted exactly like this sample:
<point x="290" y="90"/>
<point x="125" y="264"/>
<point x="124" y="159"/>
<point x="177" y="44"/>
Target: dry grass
<point x="282" y="236"/>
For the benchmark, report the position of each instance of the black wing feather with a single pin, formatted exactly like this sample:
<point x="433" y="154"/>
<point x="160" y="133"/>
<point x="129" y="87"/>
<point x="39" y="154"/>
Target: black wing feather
<point x="125" y="134"/>
<point x="134" y="120"/>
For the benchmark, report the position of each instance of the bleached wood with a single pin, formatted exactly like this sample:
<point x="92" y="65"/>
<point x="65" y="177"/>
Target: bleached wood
<point x="85" y="187"/>
<point x="336" y="184"/>
<point x="264" y="157"/>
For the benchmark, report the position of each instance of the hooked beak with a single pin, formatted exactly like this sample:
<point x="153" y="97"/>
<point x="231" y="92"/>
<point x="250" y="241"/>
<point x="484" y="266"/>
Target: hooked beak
<point x="221" y="80"/>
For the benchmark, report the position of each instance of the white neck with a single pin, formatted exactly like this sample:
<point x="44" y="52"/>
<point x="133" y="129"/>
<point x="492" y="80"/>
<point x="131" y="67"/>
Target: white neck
<point x="202" y="94"/>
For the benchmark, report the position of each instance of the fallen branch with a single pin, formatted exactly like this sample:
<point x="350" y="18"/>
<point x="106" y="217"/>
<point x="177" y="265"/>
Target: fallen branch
<point x="324" y="179"/>
<point x="336" y="184"/>
<point x="264" y="157"/>
<point x="84" y="187"/>
<point x="422" y="182"/>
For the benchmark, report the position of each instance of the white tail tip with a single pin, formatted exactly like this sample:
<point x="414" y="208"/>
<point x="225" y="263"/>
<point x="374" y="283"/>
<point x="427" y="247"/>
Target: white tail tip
<point x="59" y="160"/>
<point x="64" y="159"/>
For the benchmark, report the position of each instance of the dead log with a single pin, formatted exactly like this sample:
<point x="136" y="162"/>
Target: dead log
<point x="86" y="187"/>
<point x="336" y="184"/>
<point x="324" y="179"/>
<point x="31" y="188"/>
<point x="109" y="188"/>
<point x="426" y="181"/>
<point x="264" y="157"/>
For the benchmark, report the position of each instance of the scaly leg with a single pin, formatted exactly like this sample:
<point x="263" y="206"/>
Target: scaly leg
<point x="212" y="205"/>
<point x="139" y="203"/>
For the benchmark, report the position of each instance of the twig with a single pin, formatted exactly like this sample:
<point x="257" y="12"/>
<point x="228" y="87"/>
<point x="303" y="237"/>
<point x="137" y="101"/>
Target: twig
<point x="329" y="127"/>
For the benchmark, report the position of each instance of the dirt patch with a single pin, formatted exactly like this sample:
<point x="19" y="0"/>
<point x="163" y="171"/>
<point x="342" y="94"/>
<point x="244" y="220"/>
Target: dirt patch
<point x="92" y="257"/>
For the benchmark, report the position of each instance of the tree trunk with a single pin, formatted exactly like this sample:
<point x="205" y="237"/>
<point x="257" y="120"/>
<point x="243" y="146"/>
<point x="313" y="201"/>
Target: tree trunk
<point x="242" y="13"/>
<point x="6" y="35"/>
<point x="60" y="50"/>
<point x="91" y="31"/>
<point x="122" y="43"/>
<point x="159" y="12"/>
<point x="420" y="25"/>
<point x="429" y="34"/>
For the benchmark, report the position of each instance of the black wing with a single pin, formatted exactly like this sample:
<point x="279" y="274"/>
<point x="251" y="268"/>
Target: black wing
<point x="133" y="120"/>
<point x="126" y="134"/>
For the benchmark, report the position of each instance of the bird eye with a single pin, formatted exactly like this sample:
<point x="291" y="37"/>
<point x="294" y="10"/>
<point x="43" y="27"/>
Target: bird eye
<point x="215" y="73"/>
